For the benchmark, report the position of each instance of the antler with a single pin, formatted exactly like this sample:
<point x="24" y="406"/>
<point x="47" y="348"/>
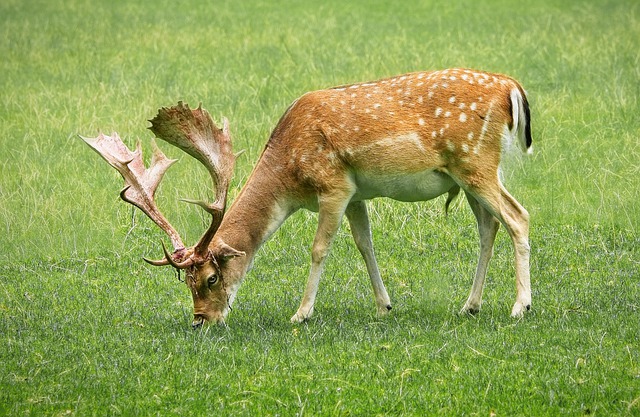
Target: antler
<point x="194" y="132"/>
<point x="140" y="183"/>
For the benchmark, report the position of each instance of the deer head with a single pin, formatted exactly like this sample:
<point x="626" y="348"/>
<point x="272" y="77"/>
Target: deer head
<point x="194" y="132"/>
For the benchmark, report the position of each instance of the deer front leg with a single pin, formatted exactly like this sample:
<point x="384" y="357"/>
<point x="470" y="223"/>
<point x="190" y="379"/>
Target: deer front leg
<point x="360" y="229"/>
<point x="487" y="228"/>
<point x="331" y="210"/>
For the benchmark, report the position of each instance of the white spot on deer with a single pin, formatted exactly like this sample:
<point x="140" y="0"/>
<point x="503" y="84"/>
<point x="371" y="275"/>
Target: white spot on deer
<point x="445" y="85"/>
<point x="451" y="146"/>
<point x="353" y="95"/>
<point x="465" y="148"/>
<point x="377" y="105"/>
<point x="434" y="134"/>
<point x="442" y="131"/>
<point x="473" y="106"/>
<point x="430" y="95"/>
<point x="447" y="114"/>
<point x="354" y="86"/>
<point x="356" y="128"/>
<point x="420" y="84"/>
<point x="421" y="121"/>
<point x="411" y="140"/>
<point x="420" y="100"/>
<point x="463" y="117"/>
<point x="462" y="106"/>
<point x="438" y="111"/>
<point x="452" y="99"/>
<point x="470" y="136"/>
<point x="485" y="127"/>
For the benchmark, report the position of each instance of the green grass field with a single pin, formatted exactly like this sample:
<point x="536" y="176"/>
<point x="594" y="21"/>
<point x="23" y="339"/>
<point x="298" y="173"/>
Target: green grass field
<point x="87" y="328"/>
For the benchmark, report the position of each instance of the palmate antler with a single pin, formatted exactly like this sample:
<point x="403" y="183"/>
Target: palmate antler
<point x="194" y="132"/>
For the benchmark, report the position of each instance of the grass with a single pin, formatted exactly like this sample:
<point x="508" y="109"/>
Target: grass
<point x="86" y="328"/>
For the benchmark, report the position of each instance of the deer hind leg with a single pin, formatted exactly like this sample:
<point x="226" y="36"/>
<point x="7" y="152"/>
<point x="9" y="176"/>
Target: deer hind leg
<point x="487" y="228"/>
<point x="360" y="229"/>
<point x="515" y="219"/>
<point x="331" y="210"/>
<point x="517" y="222"/>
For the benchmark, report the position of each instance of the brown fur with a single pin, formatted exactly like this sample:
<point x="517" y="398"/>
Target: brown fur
<point x="334" y="148"/>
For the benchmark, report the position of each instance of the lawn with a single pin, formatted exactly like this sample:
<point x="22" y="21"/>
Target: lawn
<point x="88" y="328"/>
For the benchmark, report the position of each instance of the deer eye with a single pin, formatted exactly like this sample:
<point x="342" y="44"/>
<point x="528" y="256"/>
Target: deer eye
<point x="213" y="278"/>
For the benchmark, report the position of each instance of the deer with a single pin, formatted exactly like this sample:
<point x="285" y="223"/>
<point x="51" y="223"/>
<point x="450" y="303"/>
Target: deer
<point x="410" y="138"/>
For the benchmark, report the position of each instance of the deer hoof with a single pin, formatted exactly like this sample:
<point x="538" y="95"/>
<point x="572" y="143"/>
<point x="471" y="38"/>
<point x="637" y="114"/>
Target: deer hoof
<point x="384" y="310"/>
<point x="299" y="318"/>
<point x="470" y="309"/>
<point x="519" y="308"/>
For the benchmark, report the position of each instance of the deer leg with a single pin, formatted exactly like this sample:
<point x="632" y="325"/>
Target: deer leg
<point x="331" y="210"/>
<point x="360" y="229"/>
<point x="515" y="219"/>
<point x="487" y="228"/>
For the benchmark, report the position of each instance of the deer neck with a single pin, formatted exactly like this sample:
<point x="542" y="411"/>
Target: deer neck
<point x="257" y="212"/>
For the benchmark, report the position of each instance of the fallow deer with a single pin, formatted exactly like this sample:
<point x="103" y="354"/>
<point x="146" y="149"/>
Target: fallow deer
<point x="412" y="137"/>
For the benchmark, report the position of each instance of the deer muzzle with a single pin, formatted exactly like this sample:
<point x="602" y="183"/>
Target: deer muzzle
<point x="198" y="321"/>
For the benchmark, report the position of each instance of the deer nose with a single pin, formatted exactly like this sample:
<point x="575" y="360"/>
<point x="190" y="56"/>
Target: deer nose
<point x="198" y="321"/>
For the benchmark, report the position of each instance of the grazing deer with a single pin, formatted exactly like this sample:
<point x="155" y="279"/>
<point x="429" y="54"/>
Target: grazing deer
<point x="410" y="138"/>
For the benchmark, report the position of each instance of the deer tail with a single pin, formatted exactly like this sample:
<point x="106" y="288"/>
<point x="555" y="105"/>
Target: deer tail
<point x="521" y="116"/>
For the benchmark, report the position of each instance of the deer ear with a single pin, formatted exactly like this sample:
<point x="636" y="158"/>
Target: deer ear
<point x="224" y="252"/>
<point x="225" y="126"/>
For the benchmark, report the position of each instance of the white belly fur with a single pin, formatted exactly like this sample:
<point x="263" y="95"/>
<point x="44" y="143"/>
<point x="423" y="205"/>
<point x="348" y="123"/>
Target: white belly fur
<point x="420" y="186"/>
